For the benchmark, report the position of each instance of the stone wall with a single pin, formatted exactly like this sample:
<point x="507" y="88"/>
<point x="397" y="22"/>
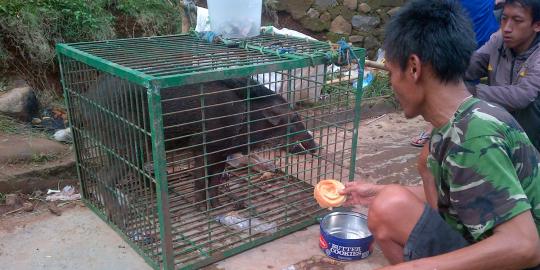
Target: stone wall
<point x="359" y="21"/>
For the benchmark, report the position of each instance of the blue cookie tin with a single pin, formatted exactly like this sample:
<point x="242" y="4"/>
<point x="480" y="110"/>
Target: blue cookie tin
<point x="345" y="236"/>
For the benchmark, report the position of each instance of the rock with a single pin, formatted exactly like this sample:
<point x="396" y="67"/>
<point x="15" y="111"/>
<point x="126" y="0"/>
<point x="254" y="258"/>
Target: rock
<point x="53" y="208"/>
<point x="324" y="4"/>
<point x="316" y="25"/>
<point x="356" y="39"/>
<point x="281" y="5"/>
<point x="11" y="199"/>
<point x="392" y="11"/>
<point x="341" y="10"/>
<point x="340" y="26"/>
<point x="313" y="13"/>
<point x="326" y="17"/>
<point x="378" y="33"/>
<point x="351" y="4"/>
<point x="365" y="8"/>
<point x="374" y="4"/>
<point x="371" y="43"/>
<point x="36" y="121"/>
<point x="334" y="37"/>
<point x="391" y="3"/>
<point x="382" y="15"/>
<point x="28" y="207"/>
<point x="365" y="23"/>
<point x="297" y="8"/>
<point x="19" y="102"/>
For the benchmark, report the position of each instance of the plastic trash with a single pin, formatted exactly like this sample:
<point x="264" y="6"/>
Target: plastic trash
<point x="63" y="135"/>
<point x="237" y="222"/>
<point x="380" y="56"/>
<point x="368" y="79"/>
<point x="235" y="18"/>
<point x="145" y="237"/>
<point x="67" y="194"/>
<point x="203" y="23"/>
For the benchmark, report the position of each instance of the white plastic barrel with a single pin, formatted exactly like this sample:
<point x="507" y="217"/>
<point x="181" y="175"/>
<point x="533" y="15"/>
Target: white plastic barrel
<point x="235" y="18"/>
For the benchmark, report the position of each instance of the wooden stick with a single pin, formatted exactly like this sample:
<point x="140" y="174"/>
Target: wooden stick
<point x="377" y="65"/>
<point x="13" y="211"/>
<point x="367" y="63"/>
<point x="376" y="119"/>
<point x="344" y="79"/>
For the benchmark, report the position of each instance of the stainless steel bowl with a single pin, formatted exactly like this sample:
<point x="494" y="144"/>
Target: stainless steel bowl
<point x="345" y="236"/>
<point x="346" y="225"/>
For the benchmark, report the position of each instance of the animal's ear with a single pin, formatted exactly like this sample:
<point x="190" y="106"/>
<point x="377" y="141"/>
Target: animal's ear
<point x="276" y="114"/>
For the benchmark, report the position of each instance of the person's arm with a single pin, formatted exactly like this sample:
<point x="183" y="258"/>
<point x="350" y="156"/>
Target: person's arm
<point x="362" y="193"/>
<point x="478" y="65"/>
<point x="517" y="96"/>
<point x="513" y="245"/>
<point x="428" y="181"/>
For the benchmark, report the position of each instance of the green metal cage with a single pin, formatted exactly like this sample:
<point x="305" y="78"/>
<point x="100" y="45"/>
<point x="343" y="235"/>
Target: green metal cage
<point x="143" y="113"/>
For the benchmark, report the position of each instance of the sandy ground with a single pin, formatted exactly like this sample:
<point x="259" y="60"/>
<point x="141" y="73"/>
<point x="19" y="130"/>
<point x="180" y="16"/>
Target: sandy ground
<point x="78" y="239"/>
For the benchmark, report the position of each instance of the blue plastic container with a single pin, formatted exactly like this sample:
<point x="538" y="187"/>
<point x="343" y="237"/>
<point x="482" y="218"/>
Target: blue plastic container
<point x="345" y="236"/>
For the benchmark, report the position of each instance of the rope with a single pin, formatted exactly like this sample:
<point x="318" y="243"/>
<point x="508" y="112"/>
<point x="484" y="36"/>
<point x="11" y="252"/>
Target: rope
<point x="345" y="52"/>
<point x="208" y="36"/>
<point x="212" y="37"/>
<point x="280" y="50"/>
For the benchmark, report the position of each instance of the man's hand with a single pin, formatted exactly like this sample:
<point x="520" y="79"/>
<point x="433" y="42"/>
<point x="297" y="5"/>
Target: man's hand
<point x="359" y="192"/>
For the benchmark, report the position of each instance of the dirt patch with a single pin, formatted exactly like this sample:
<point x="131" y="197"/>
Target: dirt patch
<point x="318" y="263"/>
<point x="9" y="222"/>
<point x="29" y="163"/>
<point x="26" y="149"/>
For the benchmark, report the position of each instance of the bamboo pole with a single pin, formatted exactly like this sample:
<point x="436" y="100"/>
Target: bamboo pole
<point x="377" y="65"/>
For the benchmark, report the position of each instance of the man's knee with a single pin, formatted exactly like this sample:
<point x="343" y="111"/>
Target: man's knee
<point x="390" y="207"/>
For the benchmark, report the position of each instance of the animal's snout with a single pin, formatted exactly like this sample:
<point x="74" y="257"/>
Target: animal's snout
<point x="305" y="144"/>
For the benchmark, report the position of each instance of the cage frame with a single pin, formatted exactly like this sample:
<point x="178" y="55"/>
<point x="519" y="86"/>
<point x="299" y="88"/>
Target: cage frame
<point x="153" y="84"/>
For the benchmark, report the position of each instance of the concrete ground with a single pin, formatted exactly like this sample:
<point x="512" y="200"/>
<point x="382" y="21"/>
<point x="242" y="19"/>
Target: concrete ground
<point x="78" y="239"/>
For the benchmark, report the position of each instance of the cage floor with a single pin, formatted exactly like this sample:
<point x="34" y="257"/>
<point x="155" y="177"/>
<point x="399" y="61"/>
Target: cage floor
<point x="260" y="205"/>
<point x="249" y="208"/>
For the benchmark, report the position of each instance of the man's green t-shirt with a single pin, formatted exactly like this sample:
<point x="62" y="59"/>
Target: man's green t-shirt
<point x="486" y="170"/>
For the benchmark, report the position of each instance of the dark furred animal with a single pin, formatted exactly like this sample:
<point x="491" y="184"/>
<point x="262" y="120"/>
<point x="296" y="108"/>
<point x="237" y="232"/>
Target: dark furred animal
<point x="213" y="120"/>
<point x="237" y="117"/>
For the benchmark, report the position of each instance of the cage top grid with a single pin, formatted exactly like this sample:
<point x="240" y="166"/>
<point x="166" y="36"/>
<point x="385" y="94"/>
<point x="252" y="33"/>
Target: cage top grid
<point x="167" y="61"/>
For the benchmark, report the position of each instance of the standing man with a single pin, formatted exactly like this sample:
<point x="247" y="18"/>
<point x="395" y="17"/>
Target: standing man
<point x="511" y="61"/>
<point x="482" y="211"/>
<point x="481" y="13"/>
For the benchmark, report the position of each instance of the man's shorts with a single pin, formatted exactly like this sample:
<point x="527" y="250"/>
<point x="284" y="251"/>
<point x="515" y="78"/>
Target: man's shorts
<point x="432" y="236"/>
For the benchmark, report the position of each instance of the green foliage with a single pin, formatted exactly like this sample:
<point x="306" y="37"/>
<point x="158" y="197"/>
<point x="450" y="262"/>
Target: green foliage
<point x="30" y="29"/>
<point x="147" y="18"/>
<point x="8" y="125"/>
<point x="56" y="20"/>
<point x="4" y="55"/>
<point x="41" y="157"/>
<point x="380" y="86"/>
